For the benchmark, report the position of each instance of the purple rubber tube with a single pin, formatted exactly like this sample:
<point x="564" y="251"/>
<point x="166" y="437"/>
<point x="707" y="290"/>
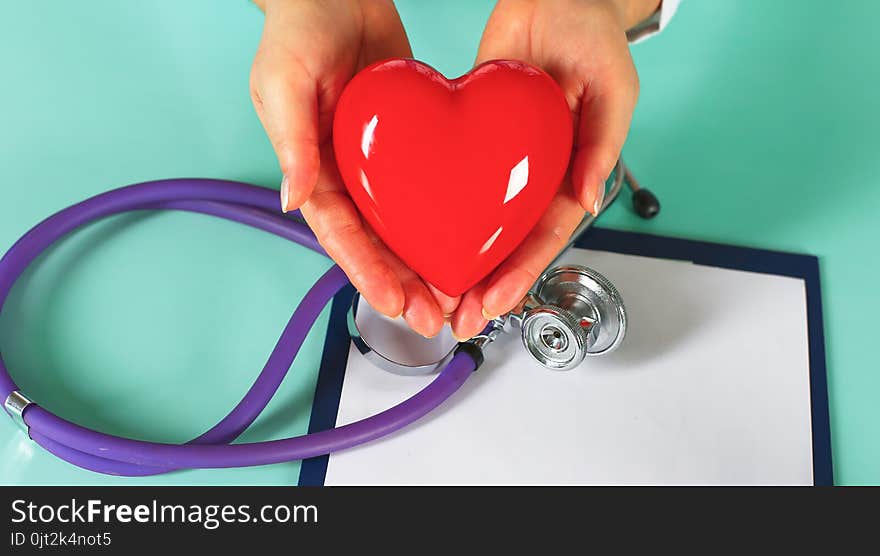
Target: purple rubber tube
<point x="256" y="207"/>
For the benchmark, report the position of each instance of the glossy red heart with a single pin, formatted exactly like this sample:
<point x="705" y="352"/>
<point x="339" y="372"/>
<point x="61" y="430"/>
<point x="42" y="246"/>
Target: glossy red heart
<point x="452" y="175"/>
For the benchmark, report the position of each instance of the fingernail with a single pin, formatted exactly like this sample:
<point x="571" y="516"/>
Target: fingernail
<point x="600" y="197"/>
<point x="488" y="316"/>
<point x="285" y="191"/>
<point x="476" y="330"/>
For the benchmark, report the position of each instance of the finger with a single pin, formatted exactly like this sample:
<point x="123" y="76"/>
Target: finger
<point x="286" y="100"/>
<point x="468" y="319"/>
<point x="606" y="112"/>
<point x="340" y="231"/>
<point x="448" y="304"/>
<point x="513" y="278"/>
<point x="420" y="310"/>
<point x="502" y="36"/>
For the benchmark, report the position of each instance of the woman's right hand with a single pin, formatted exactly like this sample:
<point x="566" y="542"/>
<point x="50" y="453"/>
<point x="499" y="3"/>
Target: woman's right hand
<point x="309" y="51"/>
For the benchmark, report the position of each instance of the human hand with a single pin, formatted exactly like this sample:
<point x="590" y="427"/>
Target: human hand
<point x="582" y="44"/>
<point x="309" y="51"/>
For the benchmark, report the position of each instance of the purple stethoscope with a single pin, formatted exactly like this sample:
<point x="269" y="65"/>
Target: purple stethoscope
<point x="572" y="312"/>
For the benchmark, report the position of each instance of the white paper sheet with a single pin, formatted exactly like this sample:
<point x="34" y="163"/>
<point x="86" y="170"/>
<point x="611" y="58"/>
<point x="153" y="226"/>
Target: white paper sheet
<point x="711" y="386"/>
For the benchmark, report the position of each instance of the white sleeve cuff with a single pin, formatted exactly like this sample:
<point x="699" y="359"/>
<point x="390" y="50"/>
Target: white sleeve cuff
<point x="654" y="24"/>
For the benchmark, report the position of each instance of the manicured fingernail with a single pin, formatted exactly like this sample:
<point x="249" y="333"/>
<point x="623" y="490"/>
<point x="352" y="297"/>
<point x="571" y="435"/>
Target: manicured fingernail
<point x="488" y="316"/>
<point x="600" y="197"/>
<point x="285" y="192"/>
<point x="459" y="340"/>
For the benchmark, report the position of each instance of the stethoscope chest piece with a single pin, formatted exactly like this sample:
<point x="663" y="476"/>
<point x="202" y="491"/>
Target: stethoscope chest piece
<point x="392" y="346"/>
<point x="572" y="312"/>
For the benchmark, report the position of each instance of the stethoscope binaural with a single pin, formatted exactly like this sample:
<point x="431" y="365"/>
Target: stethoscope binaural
<point x="572" y="312"/>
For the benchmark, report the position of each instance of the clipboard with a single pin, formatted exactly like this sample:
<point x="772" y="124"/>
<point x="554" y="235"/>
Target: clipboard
<point x="328" y="391"/>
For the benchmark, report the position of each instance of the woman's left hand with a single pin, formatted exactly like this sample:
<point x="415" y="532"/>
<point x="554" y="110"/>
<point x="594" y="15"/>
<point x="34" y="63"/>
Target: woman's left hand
<point x="582" y="44"/>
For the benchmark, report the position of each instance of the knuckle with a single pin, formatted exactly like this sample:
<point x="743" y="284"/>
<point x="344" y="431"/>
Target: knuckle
<point x="636" y="84"/>
<point x="412" y="284"/>
<point x="254" y="88"/>
<point x="526" y="275"/>
<point x="258" y="67"/>
<point x="346" y="230"/>
<point x="280" y="144"/>
<point x="331" y="219"/>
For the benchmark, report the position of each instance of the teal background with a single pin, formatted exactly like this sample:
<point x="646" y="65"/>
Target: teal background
<point x="757" y="125"/>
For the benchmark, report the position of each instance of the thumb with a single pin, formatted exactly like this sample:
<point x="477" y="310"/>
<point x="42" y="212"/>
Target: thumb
<point x="286" y="101"/>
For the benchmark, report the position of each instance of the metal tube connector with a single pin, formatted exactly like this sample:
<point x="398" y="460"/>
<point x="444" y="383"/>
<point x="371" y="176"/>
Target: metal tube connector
<point x="15" y="405"/>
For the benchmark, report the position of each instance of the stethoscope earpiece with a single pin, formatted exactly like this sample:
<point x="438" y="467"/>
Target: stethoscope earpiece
<point x="645" y="203"/>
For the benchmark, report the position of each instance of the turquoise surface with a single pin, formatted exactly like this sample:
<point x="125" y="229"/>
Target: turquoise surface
<point x="757" y="125"/>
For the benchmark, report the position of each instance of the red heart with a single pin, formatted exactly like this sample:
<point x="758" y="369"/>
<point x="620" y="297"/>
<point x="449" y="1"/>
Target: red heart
<point x="452" y="175"/>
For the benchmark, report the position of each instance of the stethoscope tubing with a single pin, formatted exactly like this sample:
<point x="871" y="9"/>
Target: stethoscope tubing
<point x="253" y="206"/>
